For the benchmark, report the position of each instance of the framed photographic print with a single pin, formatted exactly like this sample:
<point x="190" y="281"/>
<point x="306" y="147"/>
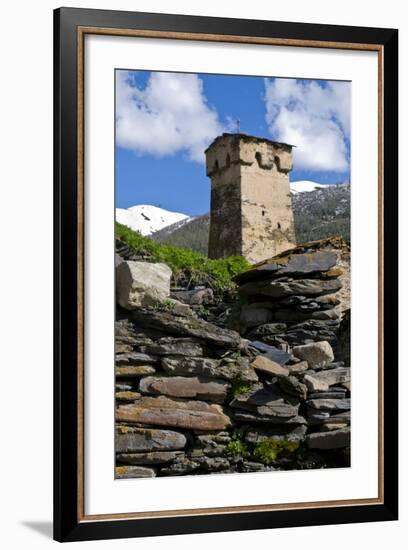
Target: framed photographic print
<point x="225" y="274"/>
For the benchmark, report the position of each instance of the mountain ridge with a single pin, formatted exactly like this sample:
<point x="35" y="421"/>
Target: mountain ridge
<point x="320" y="211"/>
<point x="147" y="219"/>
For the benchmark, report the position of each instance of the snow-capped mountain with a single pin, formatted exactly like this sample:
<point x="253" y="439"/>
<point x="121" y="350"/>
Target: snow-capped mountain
<point x="311" y="202"/>
<point x="304" y="186"/>
<point x="146" y="219"/>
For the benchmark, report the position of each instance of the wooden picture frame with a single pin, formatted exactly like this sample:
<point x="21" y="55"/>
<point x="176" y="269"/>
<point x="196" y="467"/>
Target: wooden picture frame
<point x="70" y="27"/>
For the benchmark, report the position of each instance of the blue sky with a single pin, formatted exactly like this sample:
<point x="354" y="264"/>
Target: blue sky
<point x="164" y="121"/>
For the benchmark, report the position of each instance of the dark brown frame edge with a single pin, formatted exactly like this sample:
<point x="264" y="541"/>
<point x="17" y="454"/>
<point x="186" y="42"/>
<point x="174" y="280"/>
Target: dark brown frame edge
<point x="67" y="526"/>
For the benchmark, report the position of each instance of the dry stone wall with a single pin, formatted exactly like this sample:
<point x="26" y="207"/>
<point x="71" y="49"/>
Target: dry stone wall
<point x="272" y="392"/>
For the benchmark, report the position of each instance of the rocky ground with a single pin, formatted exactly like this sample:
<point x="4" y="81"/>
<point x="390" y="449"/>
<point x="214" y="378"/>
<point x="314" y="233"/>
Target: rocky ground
<point x="206" y="386"/>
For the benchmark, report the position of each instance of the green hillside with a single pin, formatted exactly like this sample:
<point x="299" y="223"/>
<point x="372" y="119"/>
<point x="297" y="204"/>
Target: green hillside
<point x="193" y="234"/>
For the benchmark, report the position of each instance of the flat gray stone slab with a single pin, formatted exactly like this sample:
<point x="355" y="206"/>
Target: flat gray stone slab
<point x="188" y="387"/>
<point x="329" y="404"/>
<point x="336" y="439"/>
<point x="276" y="354"/>
<point x="224" y="369"/>
<point x="188" y="326"/>
<point x="322" y="380"/>
<point x="294" y="265"/>
<point x="154" y="457"/>
<point x="130" y="439"/>
<point x="265" y="402"/>
<point x="301" y="287"/>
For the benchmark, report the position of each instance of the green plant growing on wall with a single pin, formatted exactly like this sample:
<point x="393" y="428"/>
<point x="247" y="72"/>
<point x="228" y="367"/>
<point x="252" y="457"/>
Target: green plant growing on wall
<point x="269" y="450"/>
<point x="202" y="312"/>
<point x="166" y="305"/>
<point x="237" y="447"/>
<point x="239" y="387"/>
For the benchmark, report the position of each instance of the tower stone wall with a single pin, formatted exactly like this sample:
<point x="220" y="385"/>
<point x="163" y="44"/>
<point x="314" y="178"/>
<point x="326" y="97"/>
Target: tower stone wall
<point x="251" y="207"/>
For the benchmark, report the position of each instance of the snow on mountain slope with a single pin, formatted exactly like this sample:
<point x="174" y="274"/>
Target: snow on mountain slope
<point x="147" y="219"/>
<point x="302" y="186"/>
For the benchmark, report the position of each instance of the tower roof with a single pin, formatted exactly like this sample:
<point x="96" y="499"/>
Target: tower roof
<point x="249" y="138"/>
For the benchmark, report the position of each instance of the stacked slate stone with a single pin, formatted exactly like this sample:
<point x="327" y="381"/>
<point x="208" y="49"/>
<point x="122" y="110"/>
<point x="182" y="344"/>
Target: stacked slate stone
<point x="196" y="398"/>
<point x="173" y="376"/>
<point x="291" y="299"/>
<point x="290" y="302"/>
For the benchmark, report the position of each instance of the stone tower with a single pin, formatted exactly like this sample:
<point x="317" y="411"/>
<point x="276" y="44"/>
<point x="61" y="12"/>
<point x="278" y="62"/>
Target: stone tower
<point x="251" y="207"/>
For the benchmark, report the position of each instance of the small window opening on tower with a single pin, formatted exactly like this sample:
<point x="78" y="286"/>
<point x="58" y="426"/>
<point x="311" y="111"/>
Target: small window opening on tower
<point x="228" y="161"/>
<point x="263" y="212"/>
<point x="279" y="225"/>
<point x="258" y="158"/>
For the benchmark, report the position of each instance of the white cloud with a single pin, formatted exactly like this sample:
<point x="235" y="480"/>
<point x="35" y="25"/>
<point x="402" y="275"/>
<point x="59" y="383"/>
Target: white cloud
<point x="313" y="117"/>
<point x="170" y="114"/>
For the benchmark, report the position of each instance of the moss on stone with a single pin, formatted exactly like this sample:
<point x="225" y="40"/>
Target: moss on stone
<point x="165" y="305"/>
<point x="239" y="387"/>
<point x="237" y="447"/>
<point x="269" y="450"/>
<point x="126" y="395"/>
